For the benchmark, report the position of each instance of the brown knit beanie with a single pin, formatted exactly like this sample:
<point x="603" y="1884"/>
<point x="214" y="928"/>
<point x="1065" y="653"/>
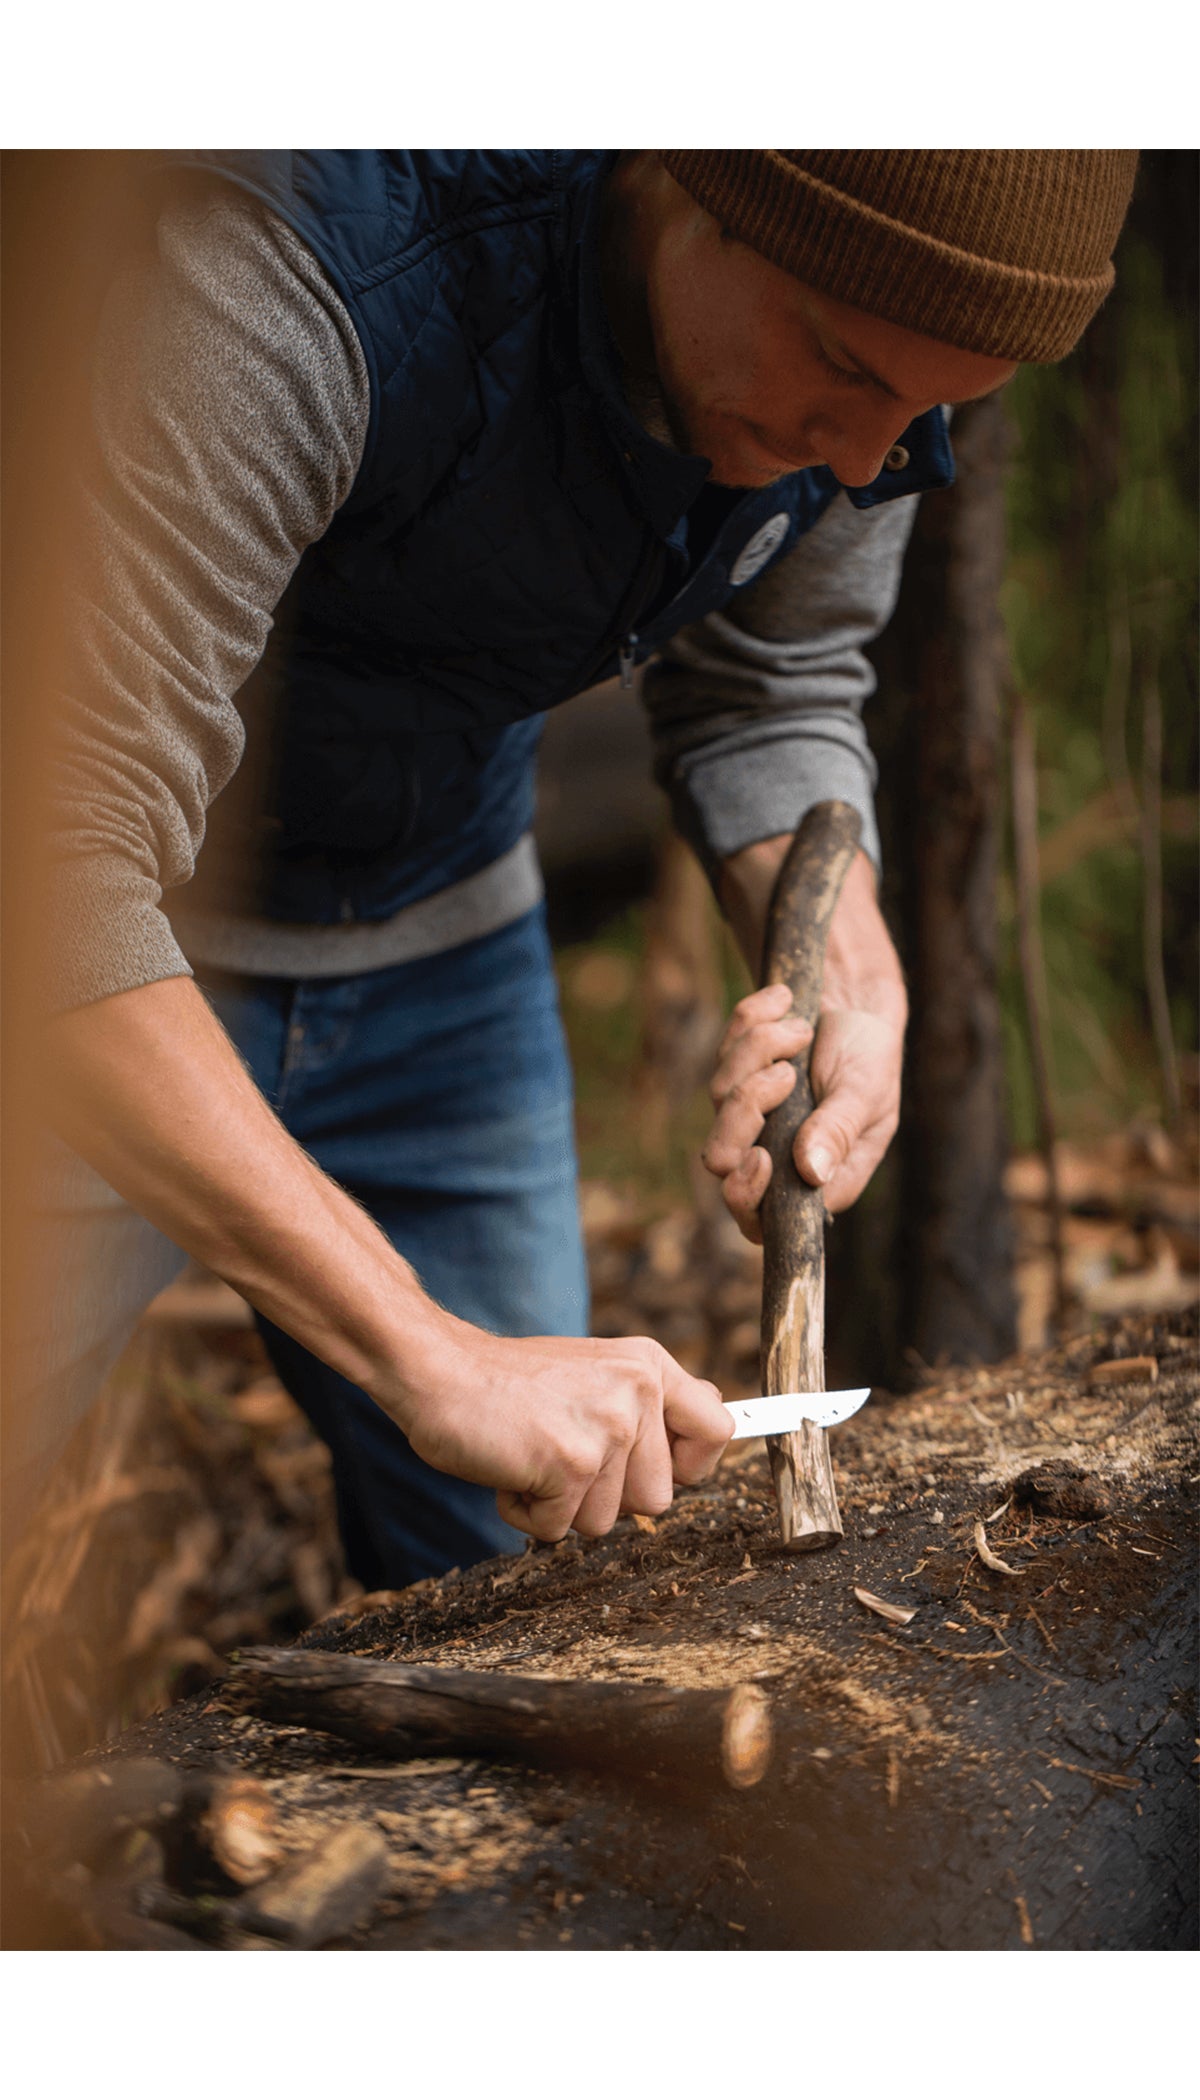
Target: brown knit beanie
<point x="1004" y="253"/>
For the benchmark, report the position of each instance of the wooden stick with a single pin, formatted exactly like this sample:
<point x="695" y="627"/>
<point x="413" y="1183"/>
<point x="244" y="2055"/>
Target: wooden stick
<point x="793" y="1214"/>
<point x="402" y="1710"/>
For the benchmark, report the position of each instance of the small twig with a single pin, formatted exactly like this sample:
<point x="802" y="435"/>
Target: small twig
<point x="1044" y="1631"/>
<point x="988" y="1655"/>
<point x="1152" y="884"/>
<point x="1141" y="1532"/>
<point x="1032" y="962"/>
<point x="984" y="1620"/>
<point x="1117" y="1779"/>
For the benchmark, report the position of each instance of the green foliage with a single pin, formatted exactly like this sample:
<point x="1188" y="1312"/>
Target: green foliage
<point x="1101" y="608"/>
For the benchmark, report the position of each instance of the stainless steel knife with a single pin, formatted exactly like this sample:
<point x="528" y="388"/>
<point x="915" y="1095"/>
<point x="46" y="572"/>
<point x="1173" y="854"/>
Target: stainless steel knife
<point x="774" y="1414"/>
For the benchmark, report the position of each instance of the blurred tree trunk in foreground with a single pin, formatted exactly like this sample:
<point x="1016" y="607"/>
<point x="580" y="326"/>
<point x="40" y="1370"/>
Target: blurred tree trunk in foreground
<point x="924" y="1262"/>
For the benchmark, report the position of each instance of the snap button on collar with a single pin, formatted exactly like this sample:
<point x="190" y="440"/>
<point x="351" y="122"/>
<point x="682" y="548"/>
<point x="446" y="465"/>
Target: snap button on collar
<point x="757" y="551"/>
<point x="897" y="459"/>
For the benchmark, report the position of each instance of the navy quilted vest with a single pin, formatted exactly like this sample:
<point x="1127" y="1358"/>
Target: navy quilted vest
<point x="512" y="533"/>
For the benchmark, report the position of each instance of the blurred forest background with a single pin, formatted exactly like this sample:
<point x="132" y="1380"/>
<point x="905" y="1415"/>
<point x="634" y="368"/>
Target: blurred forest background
<point x="194" y="1509"/>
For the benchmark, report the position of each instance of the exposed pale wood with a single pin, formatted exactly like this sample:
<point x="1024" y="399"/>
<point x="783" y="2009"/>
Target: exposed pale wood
<point x="236" y="1825"/>
<point x="793" y="1213"/>
<point x="400" y="1710"/>
<point x="1126" y="1370"/>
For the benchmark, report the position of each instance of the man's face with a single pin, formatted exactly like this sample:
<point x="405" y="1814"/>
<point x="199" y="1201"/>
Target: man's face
<point x="763" y="375"/>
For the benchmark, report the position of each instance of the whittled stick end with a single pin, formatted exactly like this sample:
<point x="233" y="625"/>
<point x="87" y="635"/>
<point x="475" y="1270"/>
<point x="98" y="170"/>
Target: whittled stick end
<point x="802" y="1470"/>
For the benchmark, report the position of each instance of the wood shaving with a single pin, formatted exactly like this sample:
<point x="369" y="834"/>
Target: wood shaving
<point x="990" y="1559"/>
<point x="895" y="1614"/>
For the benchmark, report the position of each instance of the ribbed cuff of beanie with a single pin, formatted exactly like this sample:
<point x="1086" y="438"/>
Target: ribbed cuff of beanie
<point x="824" y="217"/>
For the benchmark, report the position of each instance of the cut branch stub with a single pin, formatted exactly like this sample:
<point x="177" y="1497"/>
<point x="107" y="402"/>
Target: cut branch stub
<point x="793" y="1213"/>
<point x="407" y="1710"/>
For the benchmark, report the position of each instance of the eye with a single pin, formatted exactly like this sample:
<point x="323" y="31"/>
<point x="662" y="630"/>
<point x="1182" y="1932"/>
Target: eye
<point x="842" y="375"/>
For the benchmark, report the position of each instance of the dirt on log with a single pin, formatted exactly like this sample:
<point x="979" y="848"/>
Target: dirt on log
<point x="1010" y="1767"/>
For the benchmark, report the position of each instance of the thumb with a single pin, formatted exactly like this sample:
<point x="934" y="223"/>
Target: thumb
<point x="825" y="1141"/>
<point x="697" y="1421"/>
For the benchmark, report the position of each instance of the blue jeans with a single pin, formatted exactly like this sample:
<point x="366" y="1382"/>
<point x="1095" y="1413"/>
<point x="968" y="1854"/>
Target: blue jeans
<point x="439" y="1094"/>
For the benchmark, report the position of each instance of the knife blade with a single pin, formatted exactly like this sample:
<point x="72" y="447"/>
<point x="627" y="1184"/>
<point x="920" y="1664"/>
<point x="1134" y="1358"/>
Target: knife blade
<point x="774" y="1414"/>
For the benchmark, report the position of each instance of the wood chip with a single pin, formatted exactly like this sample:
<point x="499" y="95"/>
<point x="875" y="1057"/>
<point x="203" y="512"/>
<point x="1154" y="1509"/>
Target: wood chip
<point x="1126" y="1370"/>
<point x="1024" y="1920"/>
<point x="990" y="1559"/>
<point x="646" y="1524"/>
<point x="895" y="1614"/>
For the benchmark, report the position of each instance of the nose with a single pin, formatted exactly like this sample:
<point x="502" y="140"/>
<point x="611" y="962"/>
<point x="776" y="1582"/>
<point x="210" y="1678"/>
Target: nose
<point x="856" y="451"/>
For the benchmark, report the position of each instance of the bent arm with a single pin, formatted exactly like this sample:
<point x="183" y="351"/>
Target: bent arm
<point x="149" y="1088"/>
<point x="757" y="716"/>
<point x="224" y="451"/>
<point x="756" y="712"/>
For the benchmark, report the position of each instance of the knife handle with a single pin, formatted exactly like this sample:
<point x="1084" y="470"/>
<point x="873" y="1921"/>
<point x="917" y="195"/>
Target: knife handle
<point x="793" y="1213"/>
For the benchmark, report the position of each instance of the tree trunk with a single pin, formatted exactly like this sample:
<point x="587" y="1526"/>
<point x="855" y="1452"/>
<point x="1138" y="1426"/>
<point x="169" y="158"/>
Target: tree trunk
<point x="925" y="1264"/>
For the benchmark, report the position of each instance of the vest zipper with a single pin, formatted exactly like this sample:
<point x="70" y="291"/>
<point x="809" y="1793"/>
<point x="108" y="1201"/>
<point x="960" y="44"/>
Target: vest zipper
<point x="626" y="659"/>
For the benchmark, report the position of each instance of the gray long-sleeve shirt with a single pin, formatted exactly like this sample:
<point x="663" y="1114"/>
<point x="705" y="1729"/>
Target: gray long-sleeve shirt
<point x="231" y="407"/>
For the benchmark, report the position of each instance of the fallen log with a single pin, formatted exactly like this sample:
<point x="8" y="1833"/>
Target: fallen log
<point x="402" y="1710"/>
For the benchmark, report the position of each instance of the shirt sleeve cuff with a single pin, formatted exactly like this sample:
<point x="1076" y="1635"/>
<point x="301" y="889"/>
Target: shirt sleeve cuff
<point x="103" y="932"/>
<point x="724" y="800"/>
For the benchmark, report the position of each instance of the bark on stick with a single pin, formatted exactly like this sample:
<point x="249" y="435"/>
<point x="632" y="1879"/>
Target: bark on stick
<point x="399" y="1710"/>
<point x="793" y="1213"/>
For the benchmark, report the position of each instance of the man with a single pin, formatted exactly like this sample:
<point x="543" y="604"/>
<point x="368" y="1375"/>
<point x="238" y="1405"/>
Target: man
<point x="398" y="451"/>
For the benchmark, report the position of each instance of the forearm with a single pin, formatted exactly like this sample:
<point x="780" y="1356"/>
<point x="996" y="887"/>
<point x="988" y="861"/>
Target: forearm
<point x="150" y="1090"/>
<point x="148" y="1087"/>
<point x="862" y="968"/>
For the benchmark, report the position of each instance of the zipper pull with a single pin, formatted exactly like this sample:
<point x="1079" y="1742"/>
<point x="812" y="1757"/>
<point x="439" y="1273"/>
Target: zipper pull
<point x="625" y="657"/>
